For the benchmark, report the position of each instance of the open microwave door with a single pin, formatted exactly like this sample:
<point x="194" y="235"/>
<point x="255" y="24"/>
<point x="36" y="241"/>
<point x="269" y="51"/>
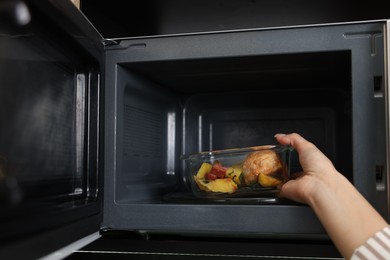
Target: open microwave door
<point x="50" y="61"/>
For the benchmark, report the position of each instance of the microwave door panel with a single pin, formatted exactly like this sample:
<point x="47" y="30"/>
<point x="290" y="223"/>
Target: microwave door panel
<point x="49" y="136"/>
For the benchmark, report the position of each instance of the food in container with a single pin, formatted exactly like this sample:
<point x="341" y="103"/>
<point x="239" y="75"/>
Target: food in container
<point x="250" y="171"/>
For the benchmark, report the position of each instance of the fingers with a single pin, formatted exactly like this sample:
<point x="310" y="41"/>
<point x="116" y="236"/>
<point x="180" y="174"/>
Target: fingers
<point x="296" y="175"/>
<point x="282" y="139"/>
<point x="290" y="191"/>
<point x="295" y="140"/>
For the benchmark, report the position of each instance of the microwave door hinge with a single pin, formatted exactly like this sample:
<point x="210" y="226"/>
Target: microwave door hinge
<point x="110" y="42"/>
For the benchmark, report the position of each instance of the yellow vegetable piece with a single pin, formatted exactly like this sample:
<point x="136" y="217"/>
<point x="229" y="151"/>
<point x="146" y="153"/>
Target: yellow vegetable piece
<point x="204" y="168"/>
<point x="225" y="185"/>
<point x="201" y="184"/>
<point x="268" y="181"/>
<point x="234" y="172"/>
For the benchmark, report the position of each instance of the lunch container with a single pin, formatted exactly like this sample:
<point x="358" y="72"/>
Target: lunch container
<point x="249" y="172"/>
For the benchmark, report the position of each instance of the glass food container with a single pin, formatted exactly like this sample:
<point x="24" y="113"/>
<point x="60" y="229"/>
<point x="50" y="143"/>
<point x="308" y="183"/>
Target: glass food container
<point x="257" y="171"/>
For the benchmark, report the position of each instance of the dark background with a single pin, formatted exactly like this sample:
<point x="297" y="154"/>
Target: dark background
<point x="118" y="18"/>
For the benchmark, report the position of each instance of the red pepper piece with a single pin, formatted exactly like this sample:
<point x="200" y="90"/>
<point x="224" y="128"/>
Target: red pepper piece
<point x="210" y="176"/>
<point x="218" y="170"/>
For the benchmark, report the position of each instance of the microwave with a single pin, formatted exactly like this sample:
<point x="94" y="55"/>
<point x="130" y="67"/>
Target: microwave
<point x="93" y="129"/>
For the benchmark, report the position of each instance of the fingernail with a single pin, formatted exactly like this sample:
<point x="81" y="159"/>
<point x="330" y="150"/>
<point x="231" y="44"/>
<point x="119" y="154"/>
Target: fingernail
<point x="276" y="135"/>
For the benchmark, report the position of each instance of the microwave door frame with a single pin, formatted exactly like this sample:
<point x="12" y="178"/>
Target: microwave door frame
<point x="387" y="103"/>
<point x="83" y="226"/>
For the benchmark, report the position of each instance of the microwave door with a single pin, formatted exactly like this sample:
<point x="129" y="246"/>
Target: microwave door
<point x="50" y="150"/>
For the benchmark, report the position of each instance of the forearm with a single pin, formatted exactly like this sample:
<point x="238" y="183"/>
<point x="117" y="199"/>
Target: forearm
<point x="345" y="214"/>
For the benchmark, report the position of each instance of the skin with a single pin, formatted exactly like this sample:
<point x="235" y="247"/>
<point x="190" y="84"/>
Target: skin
<point x="346" y="215"/>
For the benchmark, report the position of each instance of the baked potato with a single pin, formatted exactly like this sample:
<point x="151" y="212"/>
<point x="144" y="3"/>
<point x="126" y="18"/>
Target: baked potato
<point x="263" y="167"/>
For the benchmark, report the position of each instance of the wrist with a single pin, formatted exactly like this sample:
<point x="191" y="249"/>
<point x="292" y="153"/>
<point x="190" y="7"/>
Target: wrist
<point x="325" y="189"/>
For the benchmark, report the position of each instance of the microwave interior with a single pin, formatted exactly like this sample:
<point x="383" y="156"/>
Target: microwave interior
<point x="191" y="93"/>
<point x="172" y="108"/>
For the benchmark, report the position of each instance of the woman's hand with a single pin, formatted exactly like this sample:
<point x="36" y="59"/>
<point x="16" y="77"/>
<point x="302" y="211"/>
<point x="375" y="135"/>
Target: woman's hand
<point x="315" y="166"/>
<point x="346" y="215"/>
